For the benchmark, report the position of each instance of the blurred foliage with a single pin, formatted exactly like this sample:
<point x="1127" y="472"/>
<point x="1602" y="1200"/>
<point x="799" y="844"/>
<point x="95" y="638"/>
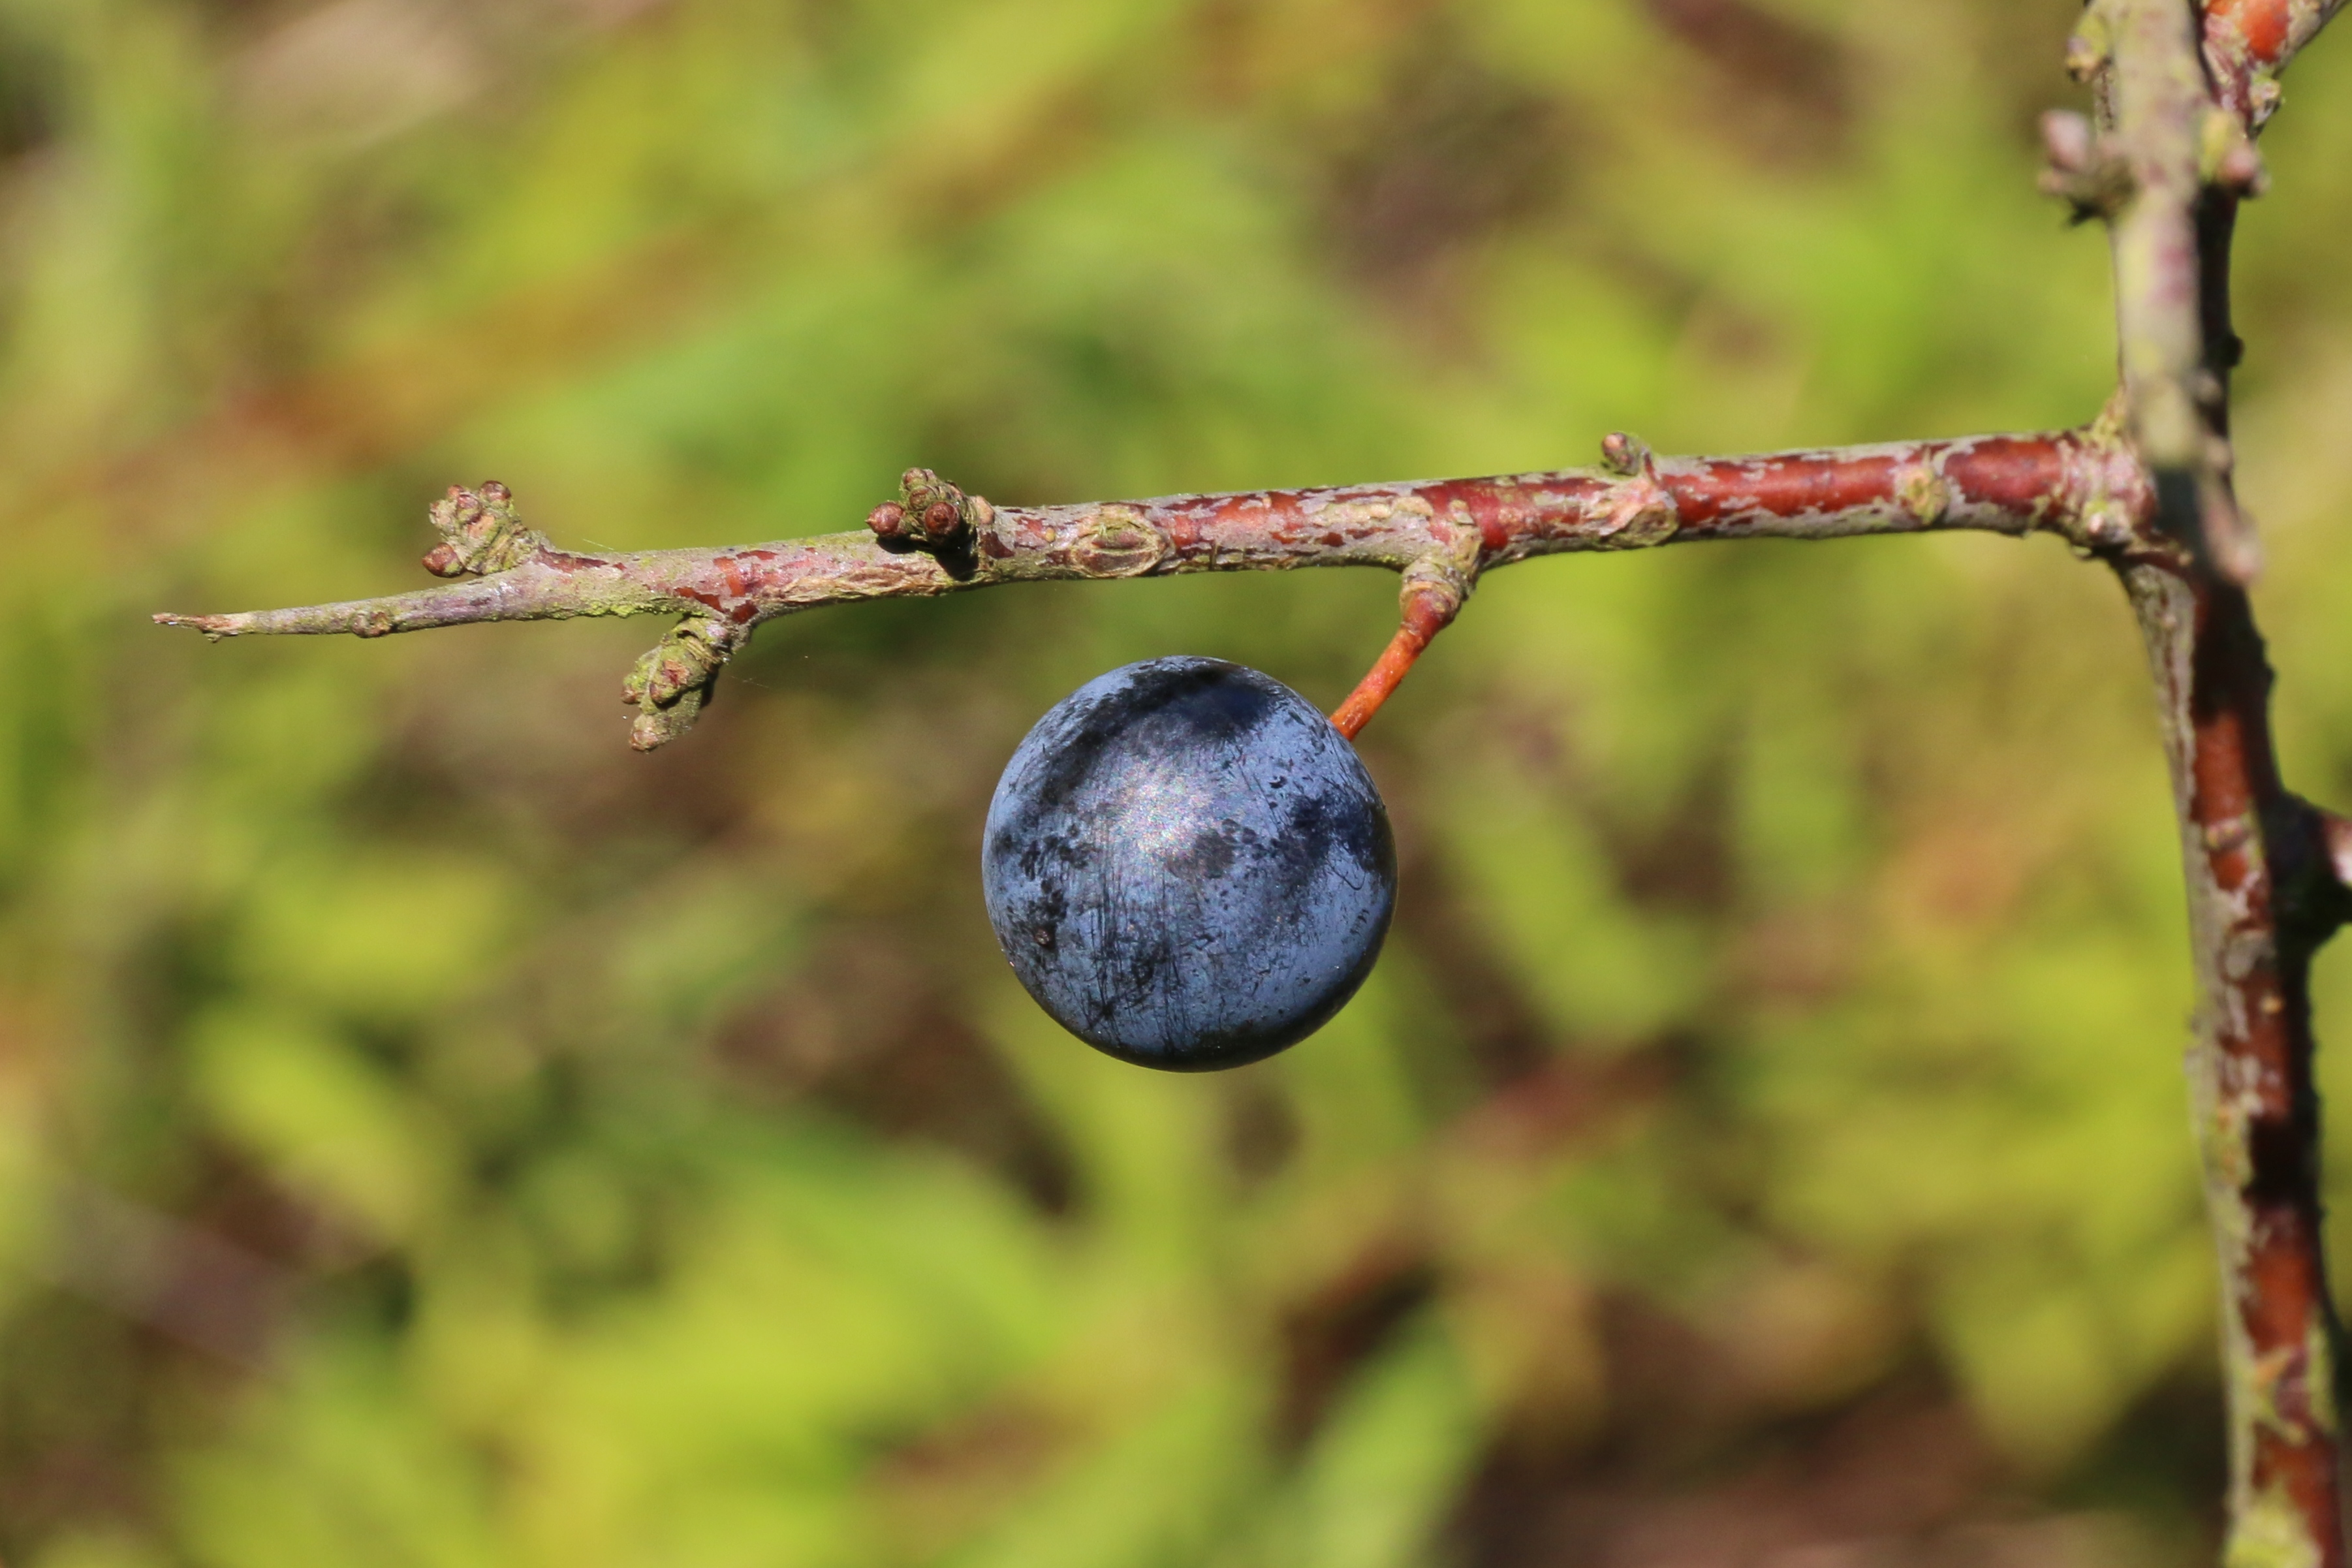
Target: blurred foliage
<point x="431" y="1135"/>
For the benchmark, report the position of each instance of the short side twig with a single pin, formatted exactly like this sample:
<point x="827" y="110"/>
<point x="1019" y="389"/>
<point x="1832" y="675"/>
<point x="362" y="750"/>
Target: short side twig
<point x="1429" y="609"/>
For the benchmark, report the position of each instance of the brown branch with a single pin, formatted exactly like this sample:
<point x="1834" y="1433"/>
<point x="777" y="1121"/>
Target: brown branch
<point x="2249" y="42"/>
<point x="2247" y="843"/>
<point x="1439" y="534"/>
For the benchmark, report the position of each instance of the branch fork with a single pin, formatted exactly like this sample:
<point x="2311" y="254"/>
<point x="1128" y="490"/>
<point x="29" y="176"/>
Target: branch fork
<point x="2182" y="89"/>
<point x="1435" y="585"/>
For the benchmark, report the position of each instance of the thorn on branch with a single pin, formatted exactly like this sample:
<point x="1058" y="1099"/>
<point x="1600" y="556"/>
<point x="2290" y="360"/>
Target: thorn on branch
<point x="481" y="533"/>
<point x="674" y="682"/>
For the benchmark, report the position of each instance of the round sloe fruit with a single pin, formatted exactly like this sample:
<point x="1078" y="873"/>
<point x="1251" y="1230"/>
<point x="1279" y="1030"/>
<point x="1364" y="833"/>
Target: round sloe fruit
<point x="1187" y="865"/>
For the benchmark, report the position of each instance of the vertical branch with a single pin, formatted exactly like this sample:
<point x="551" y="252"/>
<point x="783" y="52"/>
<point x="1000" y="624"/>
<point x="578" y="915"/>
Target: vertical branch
<point x="2247" y="850"/>
<point x="2253" y="855"/>
<point x="2154" y="97"/>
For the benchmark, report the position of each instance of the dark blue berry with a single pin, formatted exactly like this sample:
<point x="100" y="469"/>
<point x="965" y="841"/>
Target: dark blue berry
<point x="1187" y="866"/>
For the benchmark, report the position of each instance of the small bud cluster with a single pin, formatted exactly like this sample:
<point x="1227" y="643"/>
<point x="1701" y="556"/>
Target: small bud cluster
<point x="2085" y="171"/>
<point x="1624" y="454"/>
<point x="930" y="514"/>
<point x="673" y="682"/>
<point x="481" y="533"/>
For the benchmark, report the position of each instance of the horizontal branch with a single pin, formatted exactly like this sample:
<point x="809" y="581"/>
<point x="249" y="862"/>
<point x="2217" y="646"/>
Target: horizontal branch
<point x="1440" y="535"/>
<point x="2000" y="484"/>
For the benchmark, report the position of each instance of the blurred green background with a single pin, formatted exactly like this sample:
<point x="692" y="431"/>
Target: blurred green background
<point x="432" y="1135"/>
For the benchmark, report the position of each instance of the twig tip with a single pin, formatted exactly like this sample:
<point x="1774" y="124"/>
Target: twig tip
<point x="214" y="627"/>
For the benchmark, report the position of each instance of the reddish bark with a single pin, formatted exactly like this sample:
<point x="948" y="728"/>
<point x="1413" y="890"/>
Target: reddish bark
<point x="1440" y="534"/>
<point x="2249" y="42"/>
<point x="2262" y="892"/>
<point x="1425" y="615"/>
<point x="2251" y="850"/>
